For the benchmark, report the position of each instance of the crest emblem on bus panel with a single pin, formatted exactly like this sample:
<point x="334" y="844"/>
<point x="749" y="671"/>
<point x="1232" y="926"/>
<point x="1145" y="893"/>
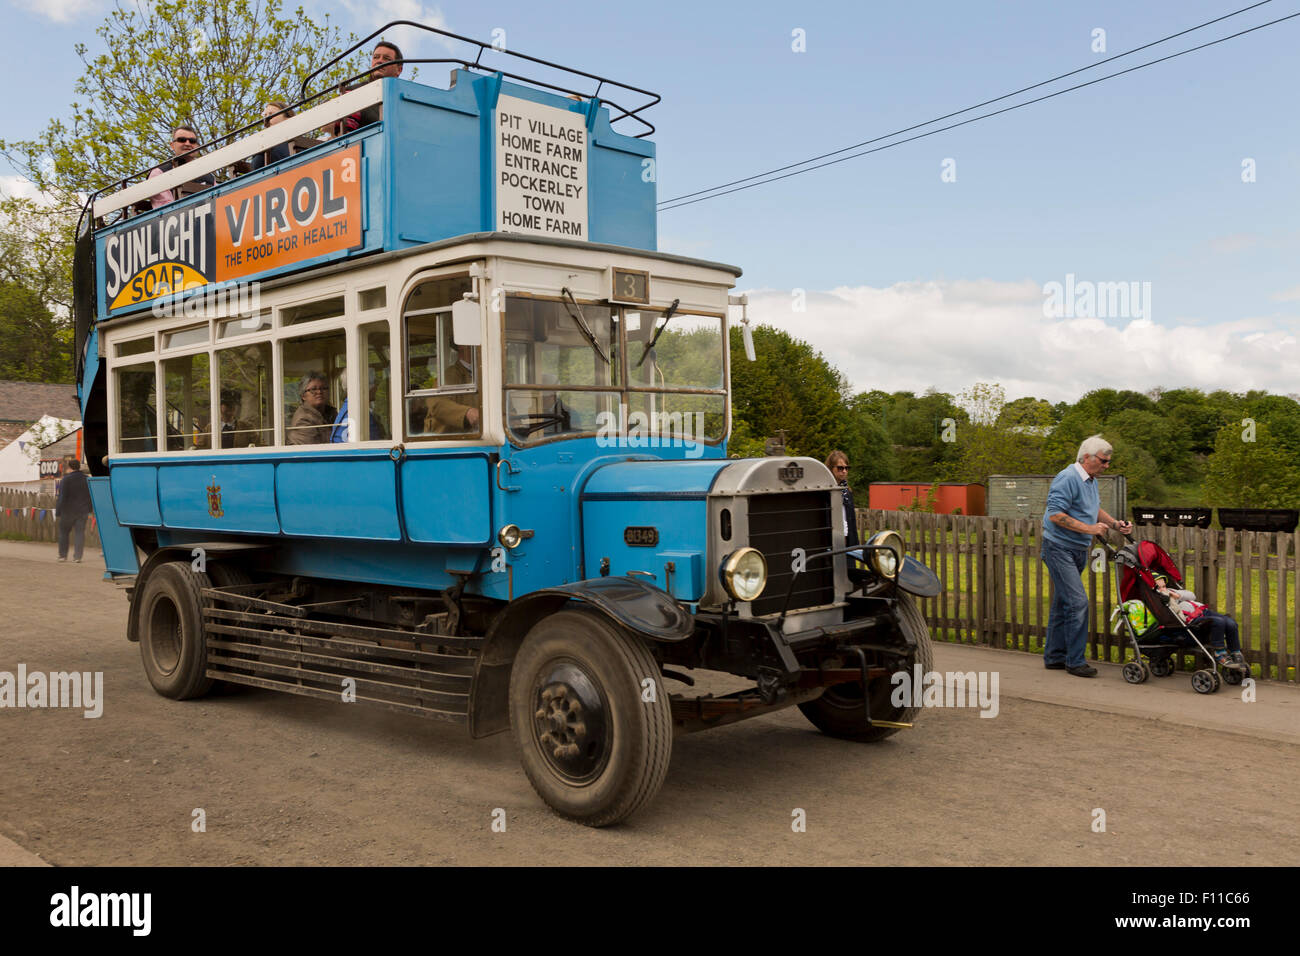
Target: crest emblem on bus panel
<point x="214" y="499"/>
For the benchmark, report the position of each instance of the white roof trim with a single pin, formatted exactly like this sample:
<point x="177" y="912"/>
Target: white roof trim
<point x="318" y="116"/>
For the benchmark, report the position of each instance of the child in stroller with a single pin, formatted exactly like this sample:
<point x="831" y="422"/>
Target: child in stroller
<point x="1162" y="621"/>
<point x="1220" y="631"/>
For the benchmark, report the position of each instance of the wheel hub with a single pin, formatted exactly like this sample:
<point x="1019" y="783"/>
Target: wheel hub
<point x="569" y="722"/>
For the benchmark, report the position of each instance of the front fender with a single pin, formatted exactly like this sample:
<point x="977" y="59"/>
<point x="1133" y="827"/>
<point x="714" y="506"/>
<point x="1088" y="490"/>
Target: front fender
<point x="915" y="578"/>
<point x="635" y="604"/>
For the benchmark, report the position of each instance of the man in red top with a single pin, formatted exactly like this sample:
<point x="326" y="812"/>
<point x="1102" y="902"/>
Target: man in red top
<point x="384" y="61"/>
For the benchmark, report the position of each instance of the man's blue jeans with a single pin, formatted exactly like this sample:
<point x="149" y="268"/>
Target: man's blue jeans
<point x="1067" y="622"/>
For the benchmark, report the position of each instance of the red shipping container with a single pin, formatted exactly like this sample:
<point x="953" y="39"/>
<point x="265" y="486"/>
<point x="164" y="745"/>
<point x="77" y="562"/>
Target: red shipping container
<point x="950" y="497"/>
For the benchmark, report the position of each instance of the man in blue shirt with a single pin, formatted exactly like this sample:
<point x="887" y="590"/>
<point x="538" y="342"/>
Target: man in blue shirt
<point x="1074" y="514"/>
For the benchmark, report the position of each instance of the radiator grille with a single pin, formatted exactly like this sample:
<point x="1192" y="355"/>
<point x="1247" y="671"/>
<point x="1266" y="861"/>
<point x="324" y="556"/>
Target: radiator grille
<point x="777" y="525"/>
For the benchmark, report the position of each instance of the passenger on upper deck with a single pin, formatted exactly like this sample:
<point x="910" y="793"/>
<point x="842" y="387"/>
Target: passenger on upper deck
<point x="313" y="420"/>
<point x="382" y="63"/>
<point x="274" y="112"/>
<point x="184" y="144"/>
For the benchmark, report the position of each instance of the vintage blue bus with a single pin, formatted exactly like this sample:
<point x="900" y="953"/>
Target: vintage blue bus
<point x="418" y="417"/>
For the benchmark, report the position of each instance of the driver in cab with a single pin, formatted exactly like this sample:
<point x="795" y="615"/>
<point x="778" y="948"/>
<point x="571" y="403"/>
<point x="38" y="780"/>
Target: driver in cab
<point x="455" y="414"/>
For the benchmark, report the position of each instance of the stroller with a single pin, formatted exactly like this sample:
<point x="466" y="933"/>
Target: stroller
<point x="1154" y="630"/>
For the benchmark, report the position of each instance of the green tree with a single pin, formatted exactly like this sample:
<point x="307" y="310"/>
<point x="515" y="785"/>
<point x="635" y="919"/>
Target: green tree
<point x="1166" y="440"/>
<point x="922" y="430"/>
<point x="1141" y="472"/>
<point x="989" y="444"/>
<point x="1192" y="409"/>
<point x="35" y="346"/>
<point x="1250" y="474"/>
<point x="1028" y="413"/>
<point x="212" y="66"/>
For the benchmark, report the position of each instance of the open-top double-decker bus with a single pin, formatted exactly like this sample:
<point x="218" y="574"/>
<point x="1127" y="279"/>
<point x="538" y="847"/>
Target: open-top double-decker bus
<point x="418" y="417"/>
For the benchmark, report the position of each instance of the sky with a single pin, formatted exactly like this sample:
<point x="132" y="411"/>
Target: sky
<point x="945" y="261"/>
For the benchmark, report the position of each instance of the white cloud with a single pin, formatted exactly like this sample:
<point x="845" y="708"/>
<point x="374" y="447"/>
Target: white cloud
<point x="415" y="43"/>
<point x="1287" y="295"/>
<point x="1234" y="243"/>
<point x="949" y="335"/>
<point x="60" y="11"/>
<point x="18" y="187"/>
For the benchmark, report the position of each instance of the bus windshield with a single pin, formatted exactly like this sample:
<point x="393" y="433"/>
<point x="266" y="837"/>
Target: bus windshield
<point x="558" y="381"/>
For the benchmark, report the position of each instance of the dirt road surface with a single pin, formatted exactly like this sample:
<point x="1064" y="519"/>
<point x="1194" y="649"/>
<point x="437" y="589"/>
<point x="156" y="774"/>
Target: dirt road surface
<point x="1183" y="779"/>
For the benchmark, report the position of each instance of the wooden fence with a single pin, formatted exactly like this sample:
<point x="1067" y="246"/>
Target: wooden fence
<point x="997" y="591"/>
<point x="30" y="514"/>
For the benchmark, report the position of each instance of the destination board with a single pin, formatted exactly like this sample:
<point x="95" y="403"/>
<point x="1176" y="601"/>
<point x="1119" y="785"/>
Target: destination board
<point x="541" y="169"/>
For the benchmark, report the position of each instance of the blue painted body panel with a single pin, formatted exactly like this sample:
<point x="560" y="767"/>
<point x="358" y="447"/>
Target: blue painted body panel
<point x="446" y="499"/>
<point x="135" y="494"/>
<point x="247" y="496"/>
<point x="119" y="550"/>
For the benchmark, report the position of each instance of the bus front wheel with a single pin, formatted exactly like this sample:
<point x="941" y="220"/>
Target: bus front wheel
<point x="171" y="631"/>
<point x="590" y="717"/>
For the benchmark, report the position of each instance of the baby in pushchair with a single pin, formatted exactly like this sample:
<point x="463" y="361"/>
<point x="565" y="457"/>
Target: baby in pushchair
<point x="1219" y="630"/>
<point x="1162" y="619"/>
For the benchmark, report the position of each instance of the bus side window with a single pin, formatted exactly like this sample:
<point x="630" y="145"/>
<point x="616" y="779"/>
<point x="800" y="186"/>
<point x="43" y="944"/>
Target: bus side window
<point x="244" y="380"/>
<point x="313" y="386"/>
<point x="137" y="409"/>
<point x="187" y="380"/>
<point x="442" y="394"/>
<point x="377" y="424"/>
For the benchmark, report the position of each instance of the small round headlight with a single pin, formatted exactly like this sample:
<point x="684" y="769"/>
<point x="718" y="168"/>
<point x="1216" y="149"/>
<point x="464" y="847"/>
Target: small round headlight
<point x="744" y="574"/>
<point x="510" y="536"/>
<point x="886" y="563"/>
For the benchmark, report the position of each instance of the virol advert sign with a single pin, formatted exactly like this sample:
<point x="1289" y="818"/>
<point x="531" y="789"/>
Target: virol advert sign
<point x="299" y="215"/>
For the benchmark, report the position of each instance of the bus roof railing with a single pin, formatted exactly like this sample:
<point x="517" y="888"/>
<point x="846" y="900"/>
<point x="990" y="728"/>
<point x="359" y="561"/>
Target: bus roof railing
<point x="476" y="65"/>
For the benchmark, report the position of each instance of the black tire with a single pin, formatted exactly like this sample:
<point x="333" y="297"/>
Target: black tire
<point x="1205" y="682"/>
<point x="593" y="750"/>
<point x="840" y="710"/>
<point x="1233" y="677"/>
<point x="1135" y="672"/>
<point x="171" y="631"/>
<point x="225" y="575"/>
<point x="1162" y="665"/>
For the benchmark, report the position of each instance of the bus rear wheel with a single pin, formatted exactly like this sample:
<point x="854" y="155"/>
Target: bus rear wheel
<point x="594" y="738"/>
<point x="171" y="631"/>
<point x="840" y="711"/>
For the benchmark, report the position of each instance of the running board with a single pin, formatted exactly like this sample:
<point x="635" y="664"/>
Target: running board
<point x="400" y="670"/>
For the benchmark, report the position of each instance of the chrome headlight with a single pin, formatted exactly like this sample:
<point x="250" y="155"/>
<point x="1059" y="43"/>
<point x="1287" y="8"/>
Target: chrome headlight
<point x="510" y="536"/>
<point x="744" y="574"/>
<point x="886" y="563"/>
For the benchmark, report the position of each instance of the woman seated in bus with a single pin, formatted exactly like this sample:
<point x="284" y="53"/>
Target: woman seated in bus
<point x="274" y="112"/>
<point x="314" y="418"/>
